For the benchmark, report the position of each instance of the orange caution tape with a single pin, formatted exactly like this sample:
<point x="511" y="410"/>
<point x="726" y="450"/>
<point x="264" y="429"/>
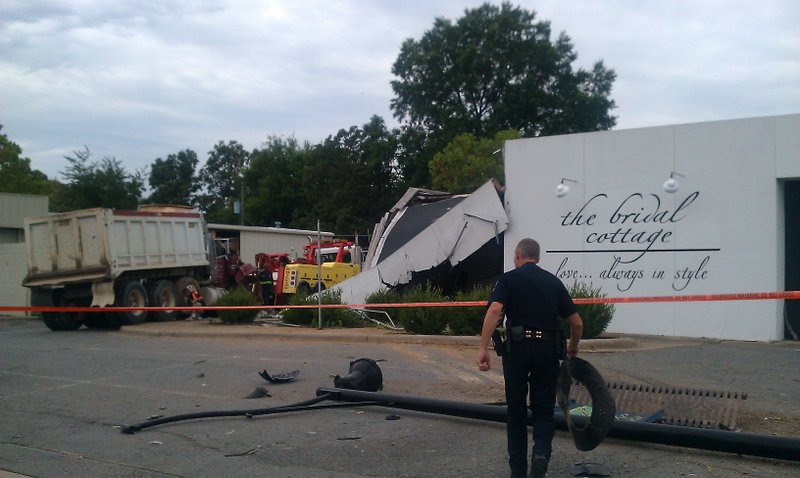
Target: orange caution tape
<point x="788" y="295"/>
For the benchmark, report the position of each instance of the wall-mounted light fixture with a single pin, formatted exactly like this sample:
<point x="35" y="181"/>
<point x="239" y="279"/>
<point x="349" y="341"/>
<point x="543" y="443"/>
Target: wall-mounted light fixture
<point x="562" y="189"/>
<point x="671" y="185"/>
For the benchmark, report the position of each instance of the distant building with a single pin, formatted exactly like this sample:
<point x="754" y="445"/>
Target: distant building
<point x="248" y="241"/>
<point x="14" y="208"/>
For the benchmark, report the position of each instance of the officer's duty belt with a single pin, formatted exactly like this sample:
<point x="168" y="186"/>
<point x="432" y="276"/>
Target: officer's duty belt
<point x="520" y="333"/>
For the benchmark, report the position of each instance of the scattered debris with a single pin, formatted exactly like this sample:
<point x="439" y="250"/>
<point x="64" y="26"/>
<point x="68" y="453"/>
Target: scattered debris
<point x="259" y="392"/>
<point x="279" y="377"/>
<point x="155" y="442"/>
<point x="589" y="469"/>
<point x="153" y="417"/>
<point x="692" y="407"/>
<point x="245" y="453"/>
<point x="364" y="374"/>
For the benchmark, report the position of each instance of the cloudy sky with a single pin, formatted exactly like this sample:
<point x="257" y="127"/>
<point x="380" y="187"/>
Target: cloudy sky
<point x="141" y="79"/>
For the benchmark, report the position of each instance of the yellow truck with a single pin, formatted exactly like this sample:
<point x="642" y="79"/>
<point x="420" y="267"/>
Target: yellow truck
<point x="340" y="260"/>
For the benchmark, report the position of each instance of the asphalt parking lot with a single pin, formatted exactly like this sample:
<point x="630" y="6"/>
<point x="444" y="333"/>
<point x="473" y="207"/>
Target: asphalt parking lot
<point x="64" y="395"/>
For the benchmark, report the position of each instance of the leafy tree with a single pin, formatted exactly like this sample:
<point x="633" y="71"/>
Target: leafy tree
<point x="350" y="180"/>
<point x="99" y="184"/>
<point x="416" y="147"/>
<point x="274" y="180"/>
<point x="16" y="175"/>
<point x="173" y="179"/>
<point x="496" y="69"/>
<point x="468" y="162"/>
<point x="221" y="180"/>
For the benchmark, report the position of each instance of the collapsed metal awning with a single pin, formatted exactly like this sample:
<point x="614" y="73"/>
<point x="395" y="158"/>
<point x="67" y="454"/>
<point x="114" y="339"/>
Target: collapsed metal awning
<point x="423" y="230"/>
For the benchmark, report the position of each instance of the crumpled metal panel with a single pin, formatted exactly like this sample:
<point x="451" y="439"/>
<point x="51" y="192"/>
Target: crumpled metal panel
<point x="453" y="237"/>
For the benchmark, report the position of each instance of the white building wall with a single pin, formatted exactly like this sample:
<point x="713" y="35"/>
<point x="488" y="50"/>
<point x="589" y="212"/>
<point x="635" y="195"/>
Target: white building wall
<point x="722" y="232"/>
<point x="14" y="208"/>
<point x="14" y="267"/>
<point x="276" y="242"/>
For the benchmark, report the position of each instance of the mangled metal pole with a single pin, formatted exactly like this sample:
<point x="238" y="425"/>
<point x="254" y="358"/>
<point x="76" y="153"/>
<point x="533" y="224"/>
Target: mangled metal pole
<point x="781" y="448"/>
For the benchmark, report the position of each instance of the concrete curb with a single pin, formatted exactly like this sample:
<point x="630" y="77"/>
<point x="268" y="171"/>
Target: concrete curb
<point x="204" y="329"/>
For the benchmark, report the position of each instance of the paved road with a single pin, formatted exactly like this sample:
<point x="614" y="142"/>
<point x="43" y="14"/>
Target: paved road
<point x="62" y="394"/>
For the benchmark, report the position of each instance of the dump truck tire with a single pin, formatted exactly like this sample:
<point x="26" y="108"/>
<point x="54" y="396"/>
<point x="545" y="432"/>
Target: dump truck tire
<point x="131" y="294"/>
<point x="60" y="321"/>
<point x="162" y="294"/>
<point x="183" y="298"/>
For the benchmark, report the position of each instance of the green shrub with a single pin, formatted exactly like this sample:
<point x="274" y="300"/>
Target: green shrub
<point x="237" y="297"/>
<point x="596" y="317"/>
<point x="339" y="317"/>
<point x="383" y="295"/>
<point x="423" y="320"/>
<point x="468" y="320"/>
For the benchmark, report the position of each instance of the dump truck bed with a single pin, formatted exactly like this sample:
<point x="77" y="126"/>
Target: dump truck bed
<point x="101" y="244"/>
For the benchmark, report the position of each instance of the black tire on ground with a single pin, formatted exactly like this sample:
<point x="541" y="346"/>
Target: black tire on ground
<point x="162" y="294"/>
<point x="183" y="295"/>
<point x="61" y="320"/>
<point x="131" y="294"/>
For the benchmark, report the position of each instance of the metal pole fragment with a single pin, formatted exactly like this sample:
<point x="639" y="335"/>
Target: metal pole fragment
<point x="781" y="448"/>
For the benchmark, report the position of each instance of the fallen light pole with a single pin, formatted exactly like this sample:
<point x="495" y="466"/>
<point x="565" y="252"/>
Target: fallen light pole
<point x="781" y="448"/>
<point x="360" y="388"/>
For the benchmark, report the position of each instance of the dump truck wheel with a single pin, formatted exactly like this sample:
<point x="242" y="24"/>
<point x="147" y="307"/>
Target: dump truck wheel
<point x="61" y="320"/>
<point x="183" y="296"/>
<point x="162" y="294"/>
<point x="131" y="294"/>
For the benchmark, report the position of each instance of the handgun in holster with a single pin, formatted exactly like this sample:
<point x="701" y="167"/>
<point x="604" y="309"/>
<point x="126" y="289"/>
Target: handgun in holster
<point x="562" y="344"/>
<point x="499" y="341"/>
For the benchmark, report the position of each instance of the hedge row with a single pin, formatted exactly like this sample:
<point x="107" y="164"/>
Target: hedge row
<point x="417" y="320"/>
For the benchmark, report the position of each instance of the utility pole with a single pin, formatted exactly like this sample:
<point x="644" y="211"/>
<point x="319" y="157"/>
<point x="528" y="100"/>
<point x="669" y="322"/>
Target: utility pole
<point x="319" y="274"/>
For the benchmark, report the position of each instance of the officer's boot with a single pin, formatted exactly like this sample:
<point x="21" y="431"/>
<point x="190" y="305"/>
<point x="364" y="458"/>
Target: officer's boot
<point x="539" y="466"/>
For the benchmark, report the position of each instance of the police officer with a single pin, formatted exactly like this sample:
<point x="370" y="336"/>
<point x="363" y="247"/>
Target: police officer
<point x="532" y="300"/>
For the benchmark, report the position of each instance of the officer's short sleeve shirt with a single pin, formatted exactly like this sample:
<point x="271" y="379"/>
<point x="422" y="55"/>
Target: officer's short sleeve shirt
<point x="533" y="297"/>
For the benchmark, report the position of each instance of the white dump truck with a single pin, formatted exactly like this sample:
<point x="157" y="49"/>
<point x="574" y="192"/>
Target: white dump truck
<point x="104" y="257"/>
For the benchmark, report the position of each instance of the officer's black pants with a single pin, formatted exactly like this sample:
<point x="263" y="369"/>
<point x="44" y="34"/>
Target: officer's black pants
<point x="530" y="366"/>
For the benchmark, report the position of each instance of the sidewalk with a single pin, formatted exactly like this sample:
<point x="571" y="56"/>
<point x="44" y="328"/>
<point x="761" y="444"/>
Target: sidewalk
<point x="204" y="328"/>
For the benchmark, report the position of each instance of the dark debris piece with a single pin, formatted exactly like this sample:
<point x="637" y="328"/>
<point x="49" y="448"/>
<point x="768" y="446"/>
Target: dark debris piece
<point x="279" y="377"/>
<point x="589" y="469"/>
<point x="259" y="392"/>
